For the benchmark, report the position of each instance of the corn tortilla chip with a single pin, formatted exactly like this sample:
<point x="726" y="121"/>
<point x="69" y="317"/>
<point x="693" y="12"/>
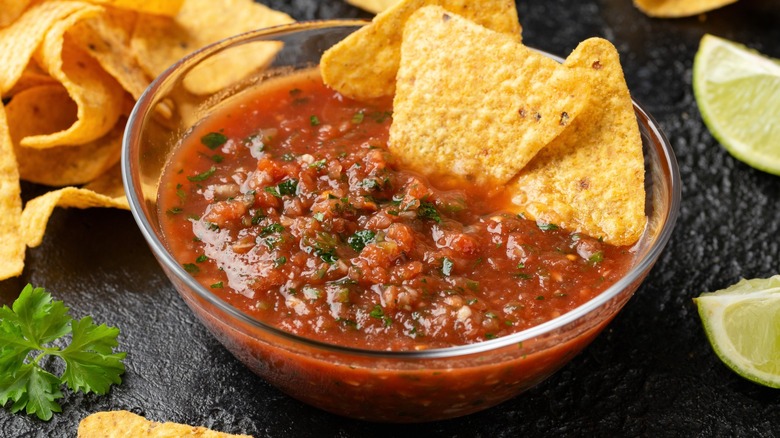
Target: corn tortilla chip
<point x="110" y="184"/>
<point x="124" y="424"/>
<point x="158" y="42"/>
<point x="37" y="211"/>
<point x="591" y="177"/>
<point x="157" y="7"/>
<point x="107" y="39"/>
<point x="375" y="6"/>
<point x="227" y="68"/>
<point x="19" y="40"/>
<point x="41" y="109"/>
<point x="10" y="10"/>
<point x="473" y="104"/>
<point x="678" y="8"/>
<point x="98" y="96"/>
<point x="363" y="66"/>
<point x="11" y="244"/>
<point x="31" y="77"/>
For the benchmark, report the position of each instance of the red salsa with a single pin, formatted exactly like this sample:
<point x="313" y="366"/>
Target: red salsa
<point x="288" y="205"/>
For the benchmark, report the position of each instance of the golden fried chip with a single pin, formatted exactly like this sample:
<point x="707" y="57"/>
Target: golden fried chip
<point x="11" y="244"/>
<point x="158" y="7"/>
<point x="110" y="184"/>
<point x="107" y="39"/>
<point x="98" y="96"/>
<point x="363" y="65"/>
<point x="591" y="177"/>
<point x="375" y="6"/>
<point x="31" y="77"/>
<point x="124" y="424"/>
<point x="42" y="109"/>
<point x="226" y="68"/>
<point x="10" y="10"/>
<point x="37" y="211"/>
<point x="678" y="8"/>
<point x="19" y="40"/>
<point x="474" y="104"/>
<point x="158" y="42"/>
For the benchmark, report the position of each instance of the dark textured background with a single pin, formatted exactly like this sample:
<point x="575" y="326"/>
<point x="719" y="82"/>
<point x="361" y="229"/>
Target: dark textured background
<point x="651" y="373"/>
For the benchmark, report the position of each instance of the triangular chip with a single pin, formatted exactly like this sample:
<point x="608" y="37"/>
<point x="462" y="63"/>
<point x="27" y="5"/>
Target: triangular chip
<point x="98" y="96"/>
<point x="10" y="10"/>
<point x="107" y="39"/>
<point x="37" y="211"/>
<point x="158" y="7"/>
<point x="473" y="104"/>
<point x="158" y="42"/>
<point x="11" y="243"/>
<point x="19" y="40"/>
<point x="363" y="65"/>
<point x="125" y="424"/>
<point x="375" y="6"/>
<point x="42" y="109"/>
<point x="591" y="177"/>
<point x="678" y="8"/>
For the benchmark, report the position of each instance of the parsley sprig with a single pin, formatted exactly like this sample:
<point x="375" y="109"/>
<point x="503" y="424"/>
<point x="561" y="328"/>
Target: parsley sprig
<point x="27" y="332"/>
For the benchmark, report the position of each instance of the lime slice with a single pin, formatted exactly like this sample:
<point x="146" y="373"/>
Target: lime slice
<point x="738" y="93"/>
<point x="742" y="323"/>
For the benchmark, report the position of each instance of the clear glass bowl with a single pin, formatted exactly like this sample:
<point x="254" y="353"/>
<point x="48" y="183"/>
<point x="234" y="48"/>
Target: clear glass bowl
<point x="391" y="386"/>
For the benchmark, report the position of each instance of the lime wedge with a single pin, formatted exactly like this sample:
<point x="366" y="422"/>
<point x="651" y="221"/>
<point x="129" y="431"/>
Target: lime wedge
<point x="738" y="93"/>
<point x="742" y="323"/>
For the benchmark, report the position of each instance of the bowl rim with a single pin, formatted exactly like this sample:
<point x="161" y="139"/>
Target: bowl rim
<point x="144" y="104"/>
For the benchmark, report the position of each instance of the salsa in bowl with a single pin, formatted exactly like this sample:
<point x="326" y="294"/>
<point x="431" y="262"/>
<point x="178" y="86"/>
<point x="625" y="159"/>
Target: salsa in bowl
<point x="340" y="276"/>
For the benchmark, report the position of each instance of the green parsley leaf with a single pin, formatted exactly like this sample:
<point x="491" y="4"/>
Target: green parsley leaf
<point x="213" y="140"/>
<point x="546" y="227"/>
<point x="202" y="176"/>
<point x="314" y="120"/>
<point x="358" y="117"/>
<point x="360" y="239"/>
<point x="29" y="327"/>
<point x="427" y="210"/>
<point x="596" y="257"/>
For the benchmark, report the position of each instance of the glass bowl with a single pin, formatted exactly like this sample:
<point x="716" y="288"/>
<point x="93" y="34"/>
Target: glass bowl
<point x="388" y="386"/>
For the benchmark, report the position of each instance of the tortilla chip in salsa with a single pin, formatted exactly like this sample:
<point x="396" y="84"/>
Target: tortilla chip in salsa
<point x="591" y="177"/>
<point x="364" y="65"/>
<point x="473" y="104"/>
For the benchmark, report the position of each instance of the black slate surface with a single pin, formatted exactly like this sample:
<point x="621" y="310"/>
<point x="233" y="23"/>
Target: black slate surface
<point x="651" y="373"/>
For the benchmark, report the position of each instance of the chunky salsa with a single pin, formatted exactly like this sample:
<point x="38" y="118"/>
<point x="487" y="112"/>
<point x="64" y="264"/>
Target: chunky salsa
<point x="288" y="205"/>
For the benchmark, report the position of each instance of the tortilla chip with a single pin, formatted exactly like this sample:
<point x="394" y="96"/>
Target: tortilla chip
<point x="42" y="109"/>
<point x="98" y="96"/>
<point x="158" y="7"/>
<point x="159" y="42"/>
<point x="107" y="39"/>
<point x="125" y="424"/>
<point x="591" y="177"/>
<point x="31" y="77"/>
<point x="227" y="68"/>
<point x="11" y="244"/>
<point x="19" y="40"/>
<point x="375" y="6"/>
<point x="473" y="104"/>
<point x="678" y="8"/>
<point x="110" y="184"/>
<point x="10" y="10"/>
<point x="37" y="211"/>
<point x="363" y="65"/>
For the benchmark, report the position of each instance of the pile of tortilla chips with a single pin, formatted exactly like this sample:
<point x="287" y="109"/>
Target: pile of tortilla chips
<point x="653" y="8"/>
<point x="121" y="424"/>
<point x="473" y="105"/>
<point x="70" y="72"/>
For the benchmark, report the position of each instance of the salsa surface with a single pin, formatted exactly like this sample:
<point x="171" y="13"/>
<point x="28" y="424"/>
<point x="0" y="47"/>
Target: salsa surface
<point x="288" y="205"/>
